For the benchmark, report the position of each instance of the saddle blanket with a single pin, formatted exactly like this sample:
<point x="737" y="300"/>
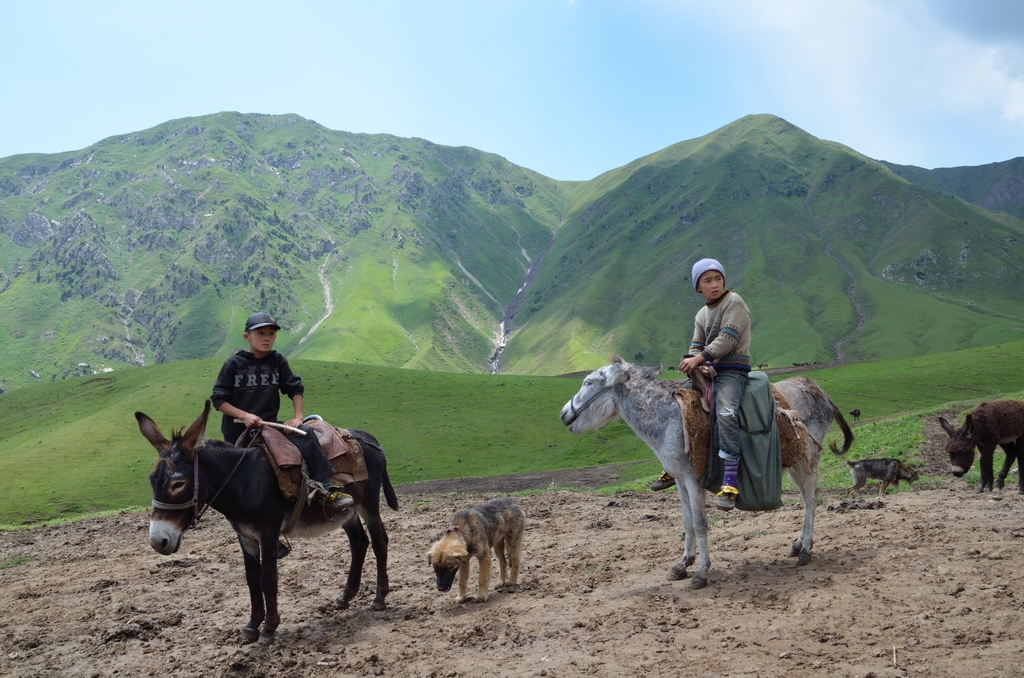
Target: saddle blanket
<point x="760" y="473"/>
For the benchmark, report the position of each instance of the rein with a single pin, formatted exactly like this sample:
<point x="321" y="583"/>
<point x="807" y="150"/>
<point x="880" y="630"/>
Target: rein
<point x="576" y="412"/>
<point x="194" y="503"/>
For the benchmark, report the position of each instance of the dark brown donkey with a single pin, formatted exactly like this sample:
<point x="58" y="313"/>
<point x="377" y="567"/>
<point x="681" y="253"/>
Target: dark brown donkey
<point x="193" y="473"/>
<point x="1000" y="422"/>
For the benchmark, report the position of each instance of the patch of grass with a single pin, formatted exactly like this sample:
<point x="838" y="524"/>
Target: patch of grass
<point x="12" y="561"/>
<point x="723" y="537"/>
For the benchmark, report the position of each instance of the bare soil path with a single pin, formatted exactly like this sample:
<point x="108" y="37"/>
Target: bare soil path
<point x="923" y="584"/>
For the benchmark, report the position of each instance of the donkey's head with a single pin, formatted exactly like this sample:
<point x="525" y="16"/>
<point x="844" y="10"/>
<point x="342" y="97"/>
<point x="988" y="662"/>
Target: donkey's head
<point x="173" y="481"/>
<point x="960" y="446"/>
<point x="595" y="404"/>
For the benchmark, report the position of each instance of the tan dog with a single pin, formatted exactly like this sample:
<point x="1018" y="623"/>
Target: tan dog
<point x="498" y="524"/>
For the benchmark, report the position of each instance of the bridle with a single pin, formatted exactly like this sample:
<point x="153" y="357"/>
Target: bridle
<point x="195" y="492"/>
<point x="194" y="502"/>
<point x="587" y="403"/>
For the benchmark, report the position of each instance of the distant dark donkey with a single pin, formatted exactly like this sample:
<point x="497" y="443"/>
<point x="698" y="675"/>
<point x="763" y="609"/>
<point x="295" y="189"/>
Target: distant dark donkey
<point x="243" y="487"/>
<point x="989" y="424"/>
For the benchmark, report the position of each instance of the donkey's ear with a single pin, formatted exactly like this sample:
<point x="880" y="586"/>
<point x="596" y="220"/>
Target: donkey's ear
<point x="969" y="423"/>
<point x="195" y="432"/>
<point x="947" y="427"/>
<point x="619" y="375"/>
<point x="616" y="360"/>
<point x="151" y="433"/>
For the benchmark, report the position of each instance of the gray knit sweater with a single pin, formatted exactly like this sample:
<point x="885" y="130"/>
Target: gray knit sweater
<point x="721" y="333"/>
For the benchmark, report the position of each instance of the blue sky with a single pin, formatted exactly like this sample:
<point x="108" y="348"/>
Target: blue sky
<point x="568" y="88"/>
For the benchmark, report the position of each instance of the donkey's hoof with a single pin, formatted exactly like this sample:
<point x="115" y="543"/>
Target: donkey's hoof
<point x="379" y="606"/>
<point x="266" y="638"/>
<point x="248" y="636"/>
<point x="804" y="558"/>
<point x="698" y="583"/>
<point x="677" y="572"/>
<point x="341" y="603"/>
<point x="795" y="551"/>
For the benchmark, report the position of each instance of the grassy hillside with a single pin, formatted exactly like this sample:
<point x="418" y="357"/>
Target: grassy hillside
<point x="837" y="257"/>
<point x="996" y="186"/>
<point x="73" y="447"/>
<point x="153" y="246"/>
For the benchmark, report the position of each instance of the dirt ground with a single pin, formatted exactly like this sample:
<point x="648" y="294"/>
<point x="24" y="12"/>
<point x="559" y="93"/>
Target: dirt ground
<point x="911" y="585"/>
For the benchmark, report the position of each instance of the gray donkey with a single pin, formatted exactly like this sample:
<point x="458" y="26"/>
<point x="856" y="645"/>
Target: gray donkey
<point x="650" y="408"/>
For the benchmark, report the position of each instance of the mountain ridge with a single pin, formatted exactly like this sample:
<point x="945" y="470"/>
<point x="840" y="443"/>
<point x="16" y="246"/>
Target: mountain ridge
<point x="152" y="246"/>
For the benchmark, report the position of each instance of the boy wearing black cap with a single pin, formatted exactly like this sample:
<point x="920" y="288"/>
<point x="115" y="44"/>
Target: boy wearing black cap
<point x="247" y="392"/>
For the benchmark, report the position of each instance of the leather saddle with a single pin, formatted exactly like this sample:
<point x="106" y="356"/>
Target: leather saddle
<point x="342" y="450"/>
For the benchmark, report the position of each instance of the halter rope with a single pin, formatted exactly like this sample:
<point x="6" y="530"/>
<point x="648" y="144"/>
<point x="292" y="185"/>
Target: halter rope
<point x="195" y="489"/>
<point x="585" y="405"/>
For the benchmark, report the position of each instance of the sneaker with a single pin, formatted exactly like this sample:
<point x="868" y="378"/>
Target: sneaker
<point x="339" y="500"/>
<point x="726" y="499"/>
<point x="663" y="483"/>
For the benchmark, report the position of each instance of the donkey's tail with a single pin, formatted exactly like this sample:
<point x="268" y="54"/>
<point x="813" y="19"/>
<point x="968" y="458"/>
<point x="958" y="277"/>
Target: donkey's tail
<point x="367" y="440"/>
<point x="847" y="433"/>
<point x="389" y="492"/>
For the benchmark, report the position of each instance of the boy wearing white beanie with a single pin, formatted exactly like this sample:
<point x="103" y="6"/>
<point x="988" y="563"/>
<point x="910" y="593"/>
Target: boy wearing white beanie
<point x="721" y="341"/>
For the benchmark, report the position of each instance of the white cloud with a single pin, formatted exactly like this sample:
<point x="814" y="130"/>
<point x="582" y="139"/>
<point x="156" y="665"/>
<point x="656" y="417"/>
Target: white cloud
<point x="879" y="76"/>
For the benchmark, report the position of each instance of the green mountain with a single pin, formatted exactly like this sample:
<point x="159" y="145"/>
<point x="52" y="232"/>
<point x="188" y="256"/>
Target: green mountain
<point x="838" y="258"/>
<point x="996" y="186"/>
<point x="152" y="247"/>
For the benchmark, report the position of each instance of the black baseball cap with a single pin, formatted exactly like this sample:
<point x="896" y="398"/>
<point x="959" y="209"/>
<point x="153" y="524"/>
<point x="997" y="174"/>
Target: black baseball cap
<point x="260" y="319"/>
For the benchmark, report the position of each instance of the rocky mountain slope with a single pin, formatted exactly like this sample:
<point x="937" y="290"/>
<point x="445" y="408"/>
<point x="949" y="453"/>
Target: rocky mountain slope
<point x="153" y="246"/>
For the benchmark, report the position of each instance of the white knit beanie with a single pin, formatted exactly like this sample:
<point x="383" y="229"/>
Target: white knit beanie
<point x="702" y="267"/>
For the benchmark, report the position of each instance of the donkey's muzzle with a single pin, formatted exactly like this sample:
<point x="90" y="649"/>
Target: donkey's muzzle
<point x="164" y="538"/>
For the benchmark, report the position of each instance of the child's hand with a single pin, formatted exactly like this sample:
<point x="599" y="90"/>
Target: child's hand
<point x="251" y="420"/>
<point x="690" y="363"/>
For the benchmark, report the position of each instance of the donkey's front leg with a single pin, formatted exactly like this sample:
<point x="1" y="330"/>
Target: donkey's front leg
<point x="678" y="570"/>
<point x="251" y="558"/>
<point x="985" y="455"/>
<point x="695" y="523"/>
<point x="700" y="526"/>
<point x="268" y="582"/>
